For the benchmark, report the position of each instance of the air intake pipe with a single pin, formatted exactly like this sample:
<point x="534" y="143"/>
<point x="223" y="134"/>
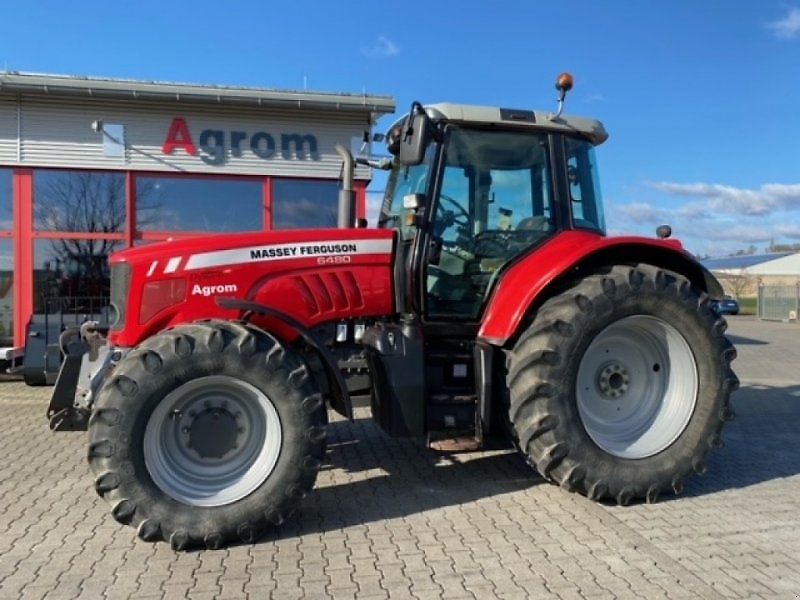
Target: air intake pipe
<point x="347" y="196"/>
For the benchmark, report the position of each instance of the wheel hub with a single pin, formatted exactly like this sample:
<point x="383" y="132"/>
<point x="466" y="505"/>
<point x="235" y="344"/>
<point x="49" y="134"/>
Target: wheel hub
<point x="212" y="440"/>
<point x="613" y="380"/>
<point x="213" y="433"/>
<point x="636" y="386"/>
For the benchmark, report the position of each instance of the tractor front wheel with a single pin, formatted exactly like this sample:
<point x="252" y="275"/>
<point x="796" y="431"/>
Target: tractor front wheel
<point x="207" y="434"/>
<point x="621" y="384"/>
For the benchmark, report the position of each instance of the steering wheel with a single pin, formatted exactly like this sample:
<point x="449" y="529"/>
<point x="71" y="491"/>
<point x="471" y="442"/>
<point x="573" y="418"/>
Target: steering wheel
<point x="463" y="214"/>
<point x="491" y="243"/>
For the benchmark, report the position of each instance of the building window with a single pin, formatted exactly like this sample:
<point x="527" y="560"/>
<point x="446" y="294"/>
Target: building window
<point x="79" y="201"/>
<point x="298" y="203"/>
<point x="199" y="204"/>
<point x="71" y="271"/>
<point x="6" y="291"/>
<point x="6" y="199"/>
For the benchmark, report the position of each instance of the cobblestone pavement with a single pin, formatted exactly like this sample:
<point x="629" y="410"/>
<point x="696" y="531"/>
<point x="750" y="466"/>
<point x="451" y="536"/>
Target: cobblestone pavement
<point x="391" y="518"/>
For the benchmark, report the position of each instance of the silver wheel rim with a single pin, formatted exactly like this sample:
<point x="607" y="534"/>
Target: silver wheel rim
<point x="637" y="387"/>
<point x="212" y="441"/>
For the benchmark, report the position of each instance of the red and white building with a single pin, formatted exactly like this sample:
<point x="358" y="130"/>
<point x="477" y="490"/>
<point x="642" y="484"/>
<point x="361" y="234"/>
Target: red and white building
<point x="90" y="166"/>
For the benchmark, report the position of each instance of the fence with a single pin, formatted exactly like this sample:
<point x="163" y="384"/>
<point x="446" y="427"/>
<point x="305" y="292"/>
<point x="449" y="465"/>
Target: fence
<point x="779" y="302"/>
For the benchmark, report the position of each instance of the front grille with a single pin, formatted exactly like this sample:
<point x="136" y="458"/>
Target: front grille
<point x="120" y="286"/>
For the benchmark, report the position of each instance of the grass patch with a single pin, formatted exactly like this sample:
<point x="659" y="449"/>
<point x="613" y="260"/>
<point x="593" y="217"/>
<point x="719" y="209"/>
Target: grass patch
<point x="748" y="306"/>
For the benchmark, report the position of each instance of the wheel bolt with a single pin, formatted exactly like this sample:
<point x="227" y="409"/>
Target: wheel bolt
<point x="185" y="430"/>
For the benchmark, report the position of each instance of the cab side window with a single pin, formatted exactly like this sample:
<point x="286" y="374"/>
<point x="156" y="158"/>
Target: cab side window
<point x="518" y="200"/>
<point x="584" y="186"/>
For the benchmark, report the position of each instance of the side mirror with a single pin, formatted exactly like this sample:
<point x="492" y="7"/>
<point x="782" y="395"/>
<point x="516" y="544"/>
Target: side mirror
<point x="414" y="137"/>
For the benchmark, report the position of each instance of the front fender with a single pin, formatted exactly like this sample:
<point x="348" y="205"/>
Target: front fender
<point x="340" y="401"/>
<point x="531" y="280"/>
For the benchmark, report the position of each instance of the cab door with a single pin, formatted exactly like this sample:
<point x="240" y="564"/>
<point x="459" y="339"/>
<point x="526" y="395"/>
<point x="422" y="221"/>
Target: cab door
<point x="494" y="201"/>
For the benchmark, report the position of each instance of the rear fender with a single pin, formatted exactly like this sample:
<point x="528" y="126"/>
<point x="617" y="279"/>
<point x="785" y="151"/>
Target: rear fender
<point x="572" y="254"/>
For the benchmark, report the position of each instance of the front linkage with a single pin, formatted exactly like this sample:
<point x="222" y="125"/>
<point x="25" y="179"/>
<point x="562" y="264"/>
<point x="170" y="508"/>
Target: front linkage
<point x="79" y="380"/>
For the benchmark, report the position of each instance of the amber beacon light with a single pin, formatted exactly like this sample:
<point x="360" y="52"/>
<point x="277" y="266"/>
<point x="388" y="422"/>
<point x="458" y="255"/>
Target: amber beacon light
<point x="564" y="83"/>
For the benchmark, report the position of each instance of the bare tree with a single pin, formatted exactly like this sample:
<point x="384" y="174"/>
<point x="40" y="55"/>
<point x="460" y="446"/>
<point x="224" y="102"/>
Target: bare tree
<point x="738" y="284"/>
<point x="81" y="202"/>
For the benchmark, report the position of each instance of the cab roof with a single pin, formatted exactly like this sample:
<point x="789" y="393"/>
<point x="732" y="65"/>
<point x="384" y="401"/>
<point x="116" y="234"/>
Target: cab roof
<point x="590" y="129"/>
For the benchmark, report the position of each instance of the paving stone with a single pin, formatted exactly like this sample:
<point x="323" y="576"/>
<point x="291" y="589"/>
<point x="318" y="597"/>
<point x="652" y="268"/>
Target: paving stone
<point x="391" y="519"/>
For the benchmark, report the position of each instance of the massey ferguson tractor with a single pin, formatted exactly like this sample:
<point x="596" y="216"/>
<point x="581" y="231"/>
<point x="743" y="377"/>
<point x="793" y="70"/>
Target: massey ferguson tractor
<point x="487" y="300"/>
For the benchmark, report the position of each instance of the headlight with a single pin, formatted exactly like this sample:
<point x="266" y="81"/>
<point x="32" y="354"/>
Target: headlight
<point x="120" y="286"/>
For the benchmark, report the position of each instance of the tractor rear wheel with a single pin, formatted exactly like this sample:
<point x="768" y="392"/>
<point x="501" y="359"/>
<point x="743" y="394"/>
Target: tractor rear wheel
<point x="207" y="434"/>
<point x="620" y="386"/>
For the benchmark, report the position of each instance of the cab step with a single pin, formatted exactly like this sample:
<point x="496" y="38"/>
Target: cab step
<point x="452" y="423"/>
<point x="463" y="443"/>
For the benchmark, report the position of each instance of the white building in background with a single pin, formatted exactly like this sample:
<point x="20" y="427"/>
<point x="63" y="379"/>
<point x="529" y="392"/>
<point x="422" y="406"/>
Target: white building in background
<point x="741" y="275"/>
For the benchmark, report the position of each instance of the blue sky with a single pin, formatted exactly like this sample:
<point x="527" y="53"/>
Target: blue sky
<point x="702" y="99"/>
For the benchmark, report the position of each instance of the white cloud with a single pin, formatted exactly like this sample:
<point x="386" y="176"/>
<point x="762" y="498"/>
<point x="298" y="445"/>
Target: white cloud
<point x="726" y="199"/>
<point x="592" y="98"/>
<point x="705" y="230"/>
<point x="789" y="230"/>
<point x="640" y="212"/>
<point x="694" y="210"/>
<point x="788" y="27"/>
<point x="383" y="47"/>
<point x="750" y="234"/>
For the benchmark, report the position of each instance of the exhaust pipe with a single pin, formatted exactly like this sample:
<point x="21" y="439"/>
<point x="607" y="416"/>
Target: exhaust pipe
<point x="347" y="196"/>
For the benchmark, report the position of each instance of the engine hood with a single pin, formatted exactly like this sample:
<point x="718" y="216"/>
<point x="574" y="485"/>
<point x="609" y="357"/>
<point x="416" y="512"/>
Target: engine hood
<point x="314" y="276"/>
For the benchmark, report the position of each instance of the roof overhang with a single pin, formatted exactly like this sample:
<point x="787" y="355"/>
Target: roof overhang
<point x="154" y="91"/>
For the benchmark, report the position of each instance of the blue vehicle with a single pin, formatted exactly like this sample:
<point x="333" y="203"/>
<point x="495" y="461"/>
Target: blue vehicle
<point x="727" y="306"/>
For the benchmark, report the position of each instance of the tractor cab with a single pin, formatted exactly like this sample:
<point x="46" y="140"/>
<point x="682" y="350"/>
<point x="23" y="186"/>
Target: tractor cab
<point x="472" y="191"/>
<point x="482" y="187"/>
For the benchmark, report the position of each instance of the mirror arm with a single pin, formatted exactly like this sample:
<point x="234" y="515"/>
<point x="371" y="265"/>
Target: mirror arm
<point x="416" y="109"/>
<point x="384" y="164"/>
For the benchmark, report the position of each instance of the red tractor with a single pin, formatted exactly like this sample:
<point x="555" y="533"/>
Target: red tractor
<point x="488" y="299"/>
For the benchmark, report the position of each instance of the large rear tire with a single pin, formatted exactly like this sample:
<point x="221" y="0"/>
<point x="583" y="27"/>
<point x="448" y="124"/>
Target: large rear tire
<point x="207" y="434"/>
<point x="620" y="386"/>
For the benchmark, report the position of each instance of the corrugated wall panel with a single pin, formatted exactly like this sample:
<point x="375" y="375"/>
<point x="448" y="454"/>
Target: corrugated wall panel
<point x="57" y="133"/>
<point x="8" y="130"/>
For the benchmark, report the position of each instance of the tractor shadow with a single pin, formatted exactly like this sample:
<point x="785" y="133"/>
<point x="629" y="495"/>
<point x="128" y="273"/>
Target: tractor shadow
<point x="761" y="444"/>
<point x="738" y="340"/>
<point x="370" y="477"/>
